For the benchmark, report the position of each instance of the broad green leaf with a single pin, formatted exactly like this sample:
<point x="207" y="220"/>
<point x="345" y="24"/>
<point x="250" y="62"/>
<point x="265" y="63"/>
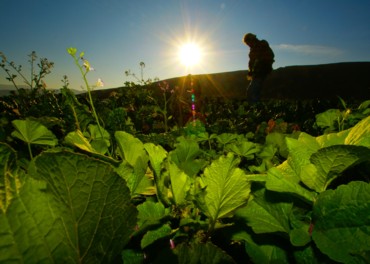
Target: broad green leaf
<point x="265" y="215"/>
<point x="328" y="119"/>
<point x="267" y="252"/>
<point x="150" y="213"/>
<point x="33" y="230"/>
<point x="76" y="138"/>
<point x="201" y="253"/>
<point x="300" y="236"/>
<point x="309" y="177"/>
<point x="278" y="140"/>
<point x="359" y="135"/>
<point x="227" y="187"/>
<point x="9" y="178"/>
<point x="244" y="148"/>
<point x="331" y="139"/>
<point x="152" y="236"/>
<point x="156" y="156"/>
<point x="79" y="211"/>
<point x="342" y="222"/>
<point x="146" y="186"/>
<point x="180" y="183"/>
<point x="284" y="179"/>
<point x="132" y="151"/>
<point x="100" y="138"/>
<point x="300" y="151"/>
<point x="226" y="138"/>
<point x="129" y="147"/>
<point x="185" y="154"/>
<point x="140" y="182"/>
<point x="332" y="161"/>
<point x="33" y="132"/>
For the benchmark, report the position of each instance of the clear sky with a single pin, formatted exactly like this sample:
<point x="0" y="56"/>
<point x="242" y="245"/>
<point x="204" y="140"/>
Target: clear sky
<point x="116" y="35"/>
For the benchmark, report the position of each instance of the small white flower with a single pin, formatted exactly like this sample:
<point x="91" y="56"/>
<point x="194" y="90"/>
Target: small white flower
<point x="87" y="65"/>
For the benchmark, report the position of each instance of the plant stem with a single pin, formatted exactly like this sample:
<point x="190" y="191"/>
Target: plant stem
<point x="89" y="94"/>
<point x="30" y="151"/>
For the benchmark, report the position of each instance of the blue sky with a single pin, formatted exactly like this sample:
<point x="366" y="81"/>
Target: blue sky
<point x="116" y="35"/>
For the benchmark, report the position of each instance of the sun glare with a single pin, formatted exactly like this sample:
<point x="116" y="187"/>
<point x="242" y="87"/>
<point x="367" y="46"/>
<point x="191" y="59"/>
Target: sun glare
<point x="190" y="54"/>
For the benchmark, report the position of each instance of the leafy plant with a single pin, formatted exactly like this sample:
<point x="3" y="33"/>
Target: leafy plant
<point x="337" y="120"/>
<point x="32" y="132"/>
<point x="291" y="201"/>
<point x="71" y="208"/>
<point x="243" y="186"/>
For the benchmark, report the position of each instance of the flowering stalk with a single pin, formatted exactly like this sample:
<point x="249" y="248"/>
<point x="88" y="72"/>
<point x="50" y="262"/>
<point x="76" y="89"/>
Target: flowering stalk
<point x="86" y="65"/>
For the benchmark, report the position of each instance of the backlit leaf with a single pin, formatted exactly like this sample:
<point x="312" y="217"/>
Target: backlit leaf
<point x="33" y="132"/>
<point x="342" y="222"/>
<point x="227" y="187"/>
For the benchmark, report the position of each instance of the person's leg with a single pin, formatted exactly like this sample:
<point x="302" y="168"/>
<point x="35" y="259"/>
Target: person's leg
<point x="254" y="90"/>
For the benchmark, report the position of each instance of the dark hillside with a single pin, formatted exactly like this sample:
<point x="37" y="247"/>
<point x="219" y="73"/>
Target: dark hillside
<point x="351" y="81"/>
<point x="347" y="80"/>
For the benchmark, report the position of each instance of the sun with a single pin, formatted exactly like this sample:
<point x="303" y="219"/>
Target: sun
<point x="190" y="54"/>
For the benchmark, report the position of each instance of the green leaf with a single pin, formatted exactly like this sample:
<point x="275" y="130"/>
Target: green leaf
<point x="264" y="215"/>
<point x="332" y="161"/>
<point x="268" y="252"/>
<point x="157" y="154"/>
<point x="99" y="142"/>
<point x="79" y="211"/>
<point x="201" y="253"/>
<point x="328" y="119"/>
<point x="244" y="148"/>
<point x="9" y="178"/>
<point x="227" y="187"/>
<point x="300" y="236"/>
<point x="132" y="151"/>
<point x="150" y="213"/>
<point x="180" y="184"/>
<point x="283" y="179"/>
<point x="153" y="235"/>
<point x="33" y="231"/>
<point x="129" y="147"/>
<point x="33" y="132"/>
<point x="342" y="222"/>
<point x="185" y="154"/>
<point x="77" y="139"/>
<point x="226" y="138"/>
<point x="359" y="135"/>
<point x="139" y="181"/>
<point x="278" y="140"/>
<point x="300" y="151"/>
<point x="331" y="139"/>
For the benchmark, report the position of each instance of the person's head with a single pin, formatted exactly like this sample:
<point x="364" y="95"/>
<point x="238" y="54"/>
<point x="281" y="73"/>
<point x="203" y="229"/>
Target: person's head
<point x="249" y="39"/>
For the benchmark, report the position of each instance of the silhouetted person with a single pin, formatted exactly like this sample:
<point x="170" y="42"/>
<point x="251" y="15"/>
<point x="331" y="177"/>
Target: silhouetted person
<point x="261" y="58"/>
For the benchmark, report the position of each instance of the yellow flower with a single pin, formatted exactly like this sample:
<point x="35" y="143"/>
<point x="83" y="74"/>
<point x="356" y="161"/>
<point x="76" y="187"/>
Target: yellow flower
<point x="99" y="83"/>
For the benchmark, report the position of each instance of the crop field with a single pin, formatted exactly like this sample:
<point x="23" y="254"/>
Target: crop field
<point x="152" y="174"/>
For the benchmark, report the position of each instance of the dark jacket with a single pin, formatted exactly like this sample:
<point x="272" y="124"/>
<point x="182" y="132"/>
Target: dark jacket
<point x="261" y="58"/>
